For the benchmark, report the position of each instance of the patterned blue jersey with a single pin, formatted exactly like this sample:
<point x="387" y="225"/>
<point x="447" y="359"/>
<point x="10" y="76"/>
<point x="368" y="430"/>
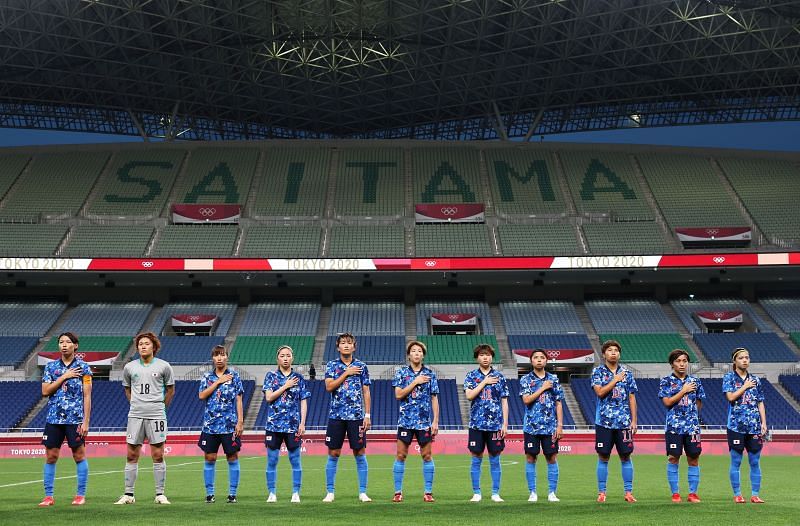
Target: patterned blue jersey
<point x="347" y="401"/>
<point x="416" y="409"/>
<point x="614" y="410"/>
<point x="486" y="410"/>
<point x="220" y="414"/>
<point x="283" y="413"/>
<point x="682" y="418"/>
<point x="743" y="415"/>
<point x="65" y="406"/>
<point x="540" y="416"/>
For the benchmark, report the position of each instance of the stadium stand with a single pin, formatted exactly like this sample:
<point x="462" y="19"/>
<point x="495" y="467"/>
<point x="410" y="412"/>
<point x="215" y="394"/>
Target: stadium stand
<point x="109" y="408"/>
<point x="454" y="240"/>
<point x="791" y="382"/>
<point x="118" y="344"/>
<point x="196" y="240"/>
<point x="784" y="311"/>
<point x="425" y="309"/>
<point x="449" y="408"/>
<point x="186" y="410"/>
<point x="376" y="318"/>
<point x="25" y="396"/>
<point x="14" y="349"/>
<point x="763" y="347"/>
<point x="262" y="349"/>
<point x="628" y="316"/>
<point x="298" y="183"/>
<point x="11" y="167"/>
<point x="367" y="241"/>
<point x="19" y="318"/>
<point x="455" y="349"/>
<point x="224" y="310"/>
<point x="30" y="239"/>
<point x="317" y="417"/>
<point x="549" y="341"/>
<point x="524" y="183"/>
<point x="649" y="347"/>
<point x="98" y="319"/>
<point x="446" y="175"/>
<point x="187" y="350"/>
<point x="265" y="318"/>
<point x="685" y="308"/>
<point x="372" y="349"/>
<point x="625" y="238"/>
<point x="299" y="241"/>
<point x="540" y="317"/>
<point x="538" y="240"/>
<point x="516" y="409"/>
<point x="370" y="182"/>
<point x="108" y="241"/>
<point x="217" y="175"/>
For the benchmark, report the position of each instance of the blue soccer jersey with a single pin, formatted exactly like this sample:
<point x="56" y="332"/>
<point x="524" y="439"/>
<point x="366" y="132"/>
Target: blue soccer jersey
<point x="347" y="401"/>
<point x="65" y="406"/>
<point x="220" y="415"/>
<point x="416" y="409"/>
<point x="486" y="410"/>
<point x="283" y="413"/>
<point x="540" y="416"/>
<point x="682" y="418"/>
<point x="614" y="409"/>
<point x="743" y="415"/>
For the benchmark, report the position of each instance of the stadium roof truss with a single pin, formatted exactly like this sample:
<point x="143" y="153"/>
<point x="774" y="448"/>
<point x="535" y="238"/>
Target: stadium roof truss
<point x="449" y="69"/>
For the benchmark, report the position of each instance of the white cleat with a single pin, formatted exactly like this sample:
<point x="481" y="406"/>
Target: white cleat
<point x="272" y="498"/>
<point x="476" y="497"/>
<point x="161" y="499"/>
<point x="533" y="497"/>
<point x="497" y="498"/>
<point x="295" y="497"/>
<point x="552" y="497"/>
<point x="126" y="499"/>
<point x="328" y="498"/>
<point x="363" y="497"/>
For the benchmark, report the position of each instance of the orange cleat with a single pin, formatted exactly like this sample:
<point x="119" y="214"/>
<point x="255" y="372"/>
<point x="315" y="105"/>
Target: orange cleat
<point x="398" y="497"/>
<point x="738" y="499"/>
<point x="428" y="497"/>
<point x="676" y="497"/>
<point x="629" y="497"/>
<point x="755" y="499"/>
<point x="47" y="501"/>
<point x="601" y="497"/>
<point x="692" y="497"/>
<point x="79" y="500"/>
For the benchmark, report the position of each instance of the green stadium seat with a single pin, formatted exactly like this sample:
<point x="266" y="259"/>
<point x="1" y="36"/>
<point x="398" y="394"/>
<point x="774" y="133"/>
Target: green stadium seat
<point x="538" y="240"/>
<point x="452" y="239"/>
<point x="196" y="241"/>
<point x="294" y="184"/>
<point x="108" y="241"/>
<point x="367" y="241"/>
<point x="297" y="241"/>
<point x="524" y="182"/>
<point x="370" y="182"/>
<point x="649" y="348"/>
<point x="217" y="175"/>
<point x="446" y="175"/>
<point x="625" y="238"/>
<point x="456" y="349"/>
<point x="30" y="240"/>
<point x="260" y="350"/>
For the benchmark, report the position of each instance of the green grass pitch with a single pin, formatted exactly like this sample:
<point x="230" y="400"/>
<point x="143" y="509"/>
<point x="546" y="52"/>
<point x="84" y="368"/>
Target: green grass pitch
<point x="21" y="490"/>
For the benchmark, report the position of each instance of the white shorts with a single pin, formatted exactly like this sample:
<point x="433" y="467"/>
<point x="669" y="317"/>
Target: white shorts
<point x="154" y="430"/>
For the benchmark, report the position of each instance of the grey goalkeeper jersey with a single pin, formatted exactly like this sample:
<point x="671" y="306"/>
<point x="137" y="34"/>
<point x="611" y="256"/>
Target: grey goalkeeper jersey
<point x="148" y="384"/>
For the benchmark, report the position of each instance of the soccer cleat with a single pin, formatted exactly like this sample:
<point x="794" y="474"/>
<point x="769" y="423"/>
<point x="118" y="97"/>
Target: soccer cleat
<point x="533" y="497"/>
<point x="210" y="499"/>
<point x="497" y="498"/>
<point x="295" y="497"/>
<point x="328" y="497"/>
<point x="231" y="499"/>
<point x="363" y="497"/>
<point x="428" y="497"/>
<point x="755" y="499"/>
<point x="738" y="499"/>
<point x="398" y="496"/>
<point x="601" y="497"/>
<point x="676" y="497"/>
<point x="126" y="499"/>
<point x="552" y="497"/>
<point x="629" y="497"/>
<point x="161" y="499"/>
<point x="476" y="497"/>
<point x="79" y="500"/>
<point x="272" y="498"/>
<point x="47" y="501"/>
<point x="692" y="497"/>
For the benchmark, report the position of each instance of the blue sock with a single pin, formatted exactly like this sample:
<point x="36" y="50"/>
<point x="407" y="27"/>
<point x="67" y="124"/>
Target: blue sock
<point x="297" y="469"/>
<point x="428" y="469"/>
<point x="755" y="472"/>
<point x="672" y="477"/>
<point x="330" y="472"/>
<point x="272" y="469"/>
<point x="694" y="478"/>
<point x="530" y="475"/>
<point x="496" y="472"/>
<point x="363" y="471"/>
<point x="82" y="469"/>
<point x="49" y="478"/>
<point x="399" y="469"/>
<point x="233" y="476"/>
<point x="208" y="476"/>
<point x="736" y="463"/>
<point x="552" y="476"/>
<point x="475" y="474"/>
<point x="627" y="475"/>
<point x="602" y="475"/>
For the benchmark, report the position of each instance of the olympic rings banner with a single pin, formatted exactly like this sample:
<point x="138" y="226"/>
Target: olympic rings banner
<point x="95" y="358"/>
<point x="449" y="213"/>
<point x="205" y="213"/>
<point x="523" y="356"/>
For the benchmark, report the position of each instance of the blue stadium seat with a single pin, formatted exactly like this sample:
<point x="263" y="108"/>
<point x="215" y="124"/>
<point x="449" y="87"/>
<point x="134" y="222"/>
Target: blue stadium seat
<point x="24" y="394"/>
<point x="763" y="347"/>
<point x="14" y="349"/>
<point x="371" y="349"/>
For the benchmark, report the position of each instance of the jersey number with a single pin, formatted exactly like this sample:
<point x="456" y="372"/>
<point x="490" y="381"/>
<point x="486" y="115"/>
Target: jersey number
<point x="144" y="388"/>
<point x="158" y="425"/>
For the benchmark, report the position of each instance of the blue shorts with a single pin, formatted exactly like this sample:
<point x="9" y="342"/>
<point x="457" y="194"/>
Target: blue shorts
<point x="606" y="439"/>
<point x="354" y="429"/>
<point x="741" y="441"/>
<point x="677" y="443"/>
<point x="274" y="439"/>
<point x="491" y="440"/>
<point x="533" y="443"/>
<point x="406" y="436"/>
<point x="210" y="442"/>
<point x="54" y="435"/>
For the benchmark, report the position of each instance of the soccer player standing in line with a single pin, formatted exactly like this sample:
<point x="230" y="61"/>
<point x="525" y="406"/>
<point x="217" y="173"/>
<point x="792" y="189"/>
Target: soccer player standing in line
<point x="682" y="395"/>
<point x="615" y="419"/>
<point x="347" y="380"/>
<point x="542" y="395"/>
<point x="287" y="405"/>
<point x="747" y="423"/>
<point x="487" y="391"/>
<point x="223" y="421"/>
<point x="68" y="383"/>
<point x="149" y="386"/>
<point x="417" y="389"/>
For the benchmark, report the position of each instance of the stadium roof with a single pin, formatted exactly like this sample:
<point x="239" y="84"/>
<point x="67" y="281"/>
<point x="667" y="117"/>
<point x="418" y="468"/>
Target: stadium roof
<point x="455" y="69"/>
